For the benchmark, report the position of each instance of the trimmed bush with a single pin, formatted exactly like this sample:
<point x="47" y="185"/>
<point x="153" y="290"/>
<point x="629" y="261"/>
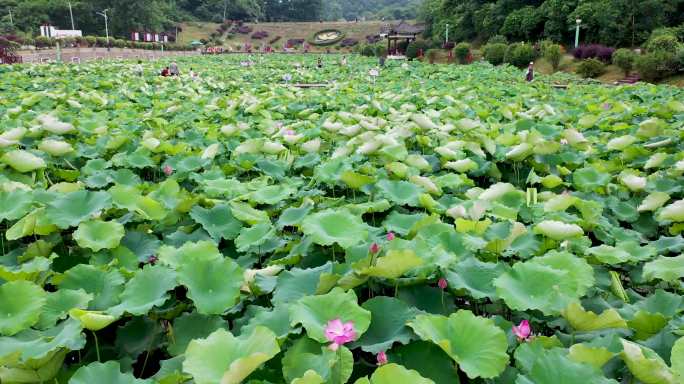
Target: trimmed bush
<point x="448" y="45"/>
<point x="553" y="54"/>
<point x="259" y="35"/>
<point x="497" y="39"/>
<point x="663" y="43"/>
<point x="413" y="49"/>
<point x="348" y="42"/>
<point x="91" y="40"/>
<point x="591" y="68"/>
<point x="380" y="50"/>
<point x="495" y="53"/>
<point x="372" y="39"/>
<point x="593" y="51"/>
<point x="43" y="42"/>
<point x="624" y="58"/>
<point x="519" y="54"/>
<point x="655" y="66"/>
<point x="461" y="51"/>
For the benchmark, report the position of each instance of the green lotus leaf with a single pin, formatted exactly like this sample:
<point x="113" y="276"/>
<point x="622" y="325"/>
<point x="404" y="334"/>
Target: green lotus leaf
<point x="217" y="221"/>
<point x="71" y="209"/>
<point x="98" y="235"/>
<point x="653" y="201"/>
<point x="665" y="303"/>
<point x="314" y="313"/>
<point x="400" y="192"/>
<point x="394" y="373"/>
<point x="609" y="255"/>
<point x="558" y="230"/>
<point x="294" y="215"/>
<point x="15" y="204"/>
<point x="254" y="236"/>
<point x="271" y="194"/>
<point x="136" y="335"/>
<point x="394" y="264"/>
<point x="105" y="287"/>
<point x="43" y="369"/>
<point x="475" y="343"/>
<point x="141" y="244"/>
<point x="20" y="305"/>
<point x="549" y="283"/>
<point x="553" y="366"/>
<point x="191" y="326"/>
<point x="677" y="358"/>
<point x="476" y="277"/>
<point x="646" y="324"/>
<point x="59" y="303"/>
<point x="128" y="197"/>
<point x="226" y="359"/>
<point x="308" y="355"/>
<point x="589" y="179"/>
<point x="171" y="371"/>
<point x="213" y="285"/>
<point x="665" y="268"/>
<point x="310" y="377"/>
<point x="672" y="212"/>
<point x="276" y="319"/>
<point x="109" y="372"/>
<point x="585" y="321"/>
<point x="594" y="356"/>
<point x="427" y="359"/>
<point x="189" y="253"/>
<point x="297" y="283"/>
<point x="145" y="290"/>
<point x="23" y="161"/>
<point x="356" y="180"/>
<point x="645" y="364"/>
<point x="402" y="223"/>
<point x="244" y="212"/>
<point x="35" y="223"/>
<point x="31" y="346"/>
<point x="92" y="320"/>
<point x="335" y="226"/>
<point x="30" y="270"/>
<point x="385" y="330"/>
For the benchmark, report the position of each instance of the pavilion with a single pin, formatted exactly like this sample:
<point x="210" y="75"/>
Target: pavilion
<point x="399" y="32"/>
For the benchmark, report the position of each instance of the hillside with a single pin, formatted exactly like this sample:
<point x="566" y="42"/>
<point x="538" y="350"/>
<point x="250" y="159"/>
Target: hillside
<point x="287" y="30"/>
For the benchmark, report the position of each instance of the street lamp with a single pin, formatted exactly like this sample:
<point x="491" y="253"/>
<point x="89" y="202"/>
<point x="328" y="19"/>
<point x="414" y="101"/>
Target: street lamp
<point x="104" y="14"/>
<point x="71" y="14"/>
<point x="447" y="32"/>
<point x="578" y="21"/>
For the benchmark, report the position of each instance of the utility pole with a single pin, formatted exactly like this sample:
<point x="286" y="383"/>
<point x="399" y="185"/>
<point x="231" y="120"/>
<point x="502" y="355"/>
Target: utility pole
<point x="71" y="13"/>
<point x="104" y="14"/>
<point x="11" y="20"/>
<point x="447" y="32"/>
<point x="225" y="7"/>
<point x="577" y="29"/>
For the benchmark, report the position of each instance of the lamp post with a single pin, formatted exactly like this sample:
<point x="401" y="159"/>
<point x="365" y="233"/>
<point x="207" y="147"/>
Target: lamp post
<point x="447" y="32"/>
<point x="577" y="28"/>
<point x="104" y="14"/>
<point x="71" y="14"/>
<point x="11" y="19"/>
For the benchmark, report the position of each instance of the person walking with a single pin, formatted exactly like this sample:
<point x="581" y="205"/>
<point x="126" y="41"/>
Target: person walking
<point x="173" y="69"/>
<point x="529" y="75"/>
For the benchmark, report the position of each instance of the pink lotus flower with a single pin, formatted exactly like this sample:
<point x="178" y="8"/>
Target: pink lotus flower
<point x="390" y="236"/>
<point x="339" y="333"/>
<point x="442" y="283"/>
<point x="382" y="358"/>
<point x="374" y="248"/>
<point x="168" y="170"/>
<point x="523" y="330"/>
<point x="606" y="106"/>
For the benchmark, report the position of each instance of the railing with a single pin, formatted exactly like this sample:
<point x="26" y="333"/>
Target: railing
<point x="8" y="57"/>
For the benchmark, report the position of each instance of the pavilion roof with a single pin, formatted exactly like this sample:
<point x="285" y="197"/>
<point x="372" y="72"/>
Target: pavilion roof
<point x="403" y="28"/>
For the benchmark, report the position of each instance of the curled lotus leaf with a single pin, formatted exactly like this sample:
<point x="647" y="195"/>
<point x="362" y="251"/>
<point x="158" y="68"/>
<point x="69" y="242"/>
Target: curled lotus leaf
<point x="97" y="235"/>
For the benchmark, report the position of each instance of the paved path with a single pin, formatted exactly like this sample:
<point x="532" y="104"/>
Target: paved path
<point x="89" y="54"/>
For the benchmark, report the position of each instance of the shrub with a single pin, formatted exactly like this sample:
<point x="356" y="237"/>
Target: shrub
<point x="655" y="66"/>
<point x="680" y="59"/>
<point x="244" y="29"/>
<point x="380" y="50"/>
<point x="448" y="45"/>
<point x="593" y="51"/>
<point x="624" y="58"/>
<point x="495" y="53"/>
<point x="372" y="39"/>
<point x="367" y="51"/>
<point x="414" y="49"/>
<point x="42" y="42"/>
<point x="348" y="42"/>
<point x="260" y="35"/>
<point x="663" y="43"/>
<point x="9" y="44"/>
<point x="101" y="41"/>
<point x="605" y="54"/>
<point x="461" y="51"/>
<point x="294" y="42"/>
<point x="497" y="39"/>
<point x="590" y="68"/>
<point x="119" y="43"/>
<point x="519" y="54"/>
<point x="553" y="54"/>
<point x="91" y="40"/>
<point x="432" y="55"/>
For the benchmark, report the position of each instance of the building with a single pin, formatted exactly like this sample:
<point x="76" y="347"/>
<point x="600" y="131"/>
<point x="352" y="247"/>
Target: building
<point x="47" y="30"/>
<point x="396" y="33"/>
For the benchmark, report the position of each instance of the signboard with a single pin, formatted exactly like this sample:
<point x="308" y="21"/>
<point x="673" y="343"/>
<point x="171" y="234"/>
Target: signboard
<point x="52" y="32"/>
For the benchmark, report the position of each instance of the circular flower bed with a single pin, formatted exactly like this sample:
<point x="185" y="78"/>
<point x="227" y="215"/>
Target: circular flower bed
<point x="327" y="37"/>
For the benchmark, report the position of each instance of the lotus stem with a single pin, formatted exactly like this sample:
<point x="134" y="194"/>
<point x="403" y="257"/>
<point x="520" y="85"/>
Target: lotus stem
<point x="97" y="346"/>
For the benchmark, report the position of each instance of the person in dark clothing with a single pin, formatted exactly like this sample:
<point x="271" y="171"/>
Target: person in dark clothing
<point x="165" y="72"/>
<point x="529" y="76"/>
<point x="320" y="63"/>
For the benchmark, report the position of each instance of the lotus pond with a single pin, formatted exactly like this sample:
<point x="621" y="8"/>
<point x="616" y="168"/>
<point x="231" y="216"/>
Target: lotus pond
<point x="436" y="224"/>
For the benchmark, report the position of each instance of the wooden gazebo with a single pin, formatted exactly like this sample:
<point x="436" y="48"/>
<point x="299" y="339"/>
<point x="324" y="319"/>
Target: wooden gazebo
<point x="399" y="32"/>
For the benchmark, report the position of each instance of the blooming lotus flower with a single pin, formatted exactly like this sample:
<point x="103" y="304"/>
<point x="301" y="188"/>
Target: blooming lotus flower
<point x="374" y="248"/>
<point x="339" y="333"/>
<point x="374" y="72"/>
<point x="382" y="358"/>
<point x="522" y="331"/>
<point x="390" y="236"/>
<point x="168" y="170"/>
<point x="442" y="283"/>
<point x="287" y="77"/>
<point x="606" y="106"/>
